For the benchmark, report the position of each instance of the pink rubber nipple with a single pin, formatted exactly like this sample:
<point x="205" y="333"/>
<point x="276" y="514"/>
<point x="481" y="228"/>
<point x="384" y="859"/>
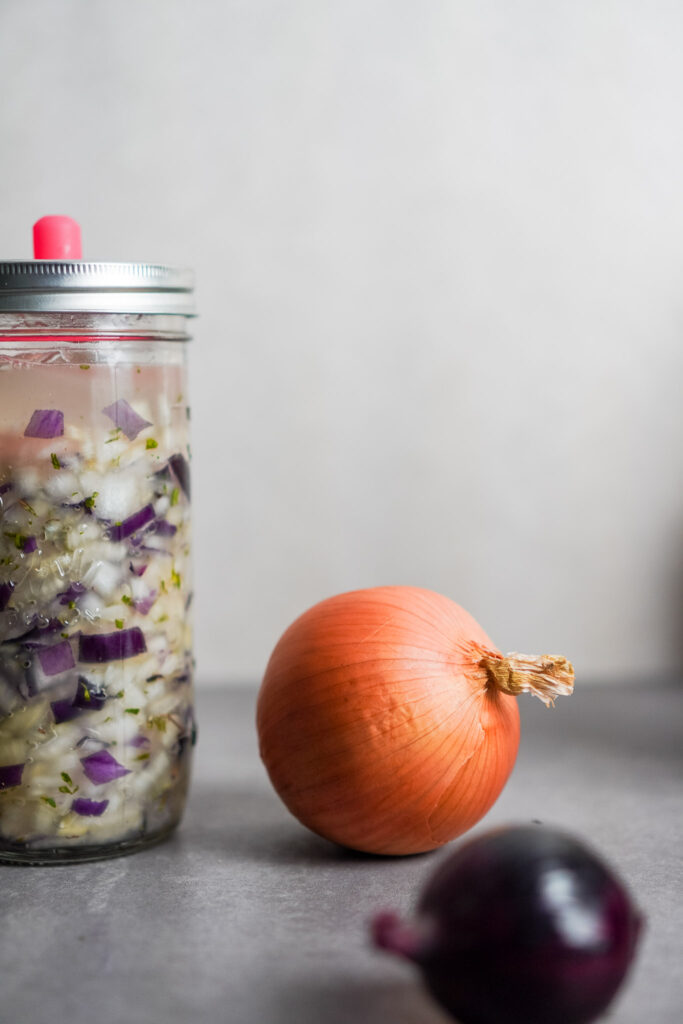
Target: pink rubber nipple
<point x="56" y="238"/>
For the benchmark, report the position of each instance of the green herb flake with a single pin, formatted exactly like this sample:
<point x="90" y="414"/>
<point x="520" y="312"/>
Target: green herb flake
<point x="119" y="694"/>
<point x="66" y="778"/>
<point x="175" y="578"/>
<point x="175" y="495"/>
<point x="48" y="800"/>
<point x="151" y="443"/>
<point x="118" y="623"/>
<point x="142" y="757"/>
<point x="86" y="693"/>
<point x="132" y="711"/>
<point x="64" y="636"/>
<point x="84" y="366"/>
<point x="162" y="585"/>
<point x="126" y="599"/>
<point x="25" y="504"/>
<point x="158" y="722"/>
<point x="71" y="605"/>
<point x="55" y="461"/>
<point x="90" y="502"/>
<point x="115" y="435"/>
<point x="162" y="618"/>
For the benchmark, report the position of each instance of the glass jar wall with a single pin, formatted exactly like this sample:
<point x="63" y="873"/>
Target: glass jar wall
<point x="96" y="706"/>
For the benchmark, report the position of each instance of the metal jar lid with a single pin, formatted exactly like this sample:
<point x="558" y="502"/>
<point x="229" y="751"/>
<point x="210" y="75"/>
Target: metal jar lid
<point x="75" y="286"/>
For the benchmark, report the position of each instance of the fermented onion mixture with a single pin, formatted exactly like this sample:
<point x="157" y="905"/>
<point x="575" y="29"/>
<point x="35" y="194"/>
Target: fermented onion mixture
<point x="95" y="664"/>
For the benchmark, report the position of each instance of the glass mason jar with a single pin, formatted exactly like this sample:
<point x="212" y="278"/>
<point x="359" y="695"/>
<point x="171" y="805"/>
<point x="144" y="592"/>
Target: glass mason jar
<point x="96" y="705"/>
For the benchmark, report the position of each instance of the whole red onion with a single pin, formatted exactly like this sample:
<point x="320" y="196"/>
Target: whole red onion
<point x="523" y="925"/>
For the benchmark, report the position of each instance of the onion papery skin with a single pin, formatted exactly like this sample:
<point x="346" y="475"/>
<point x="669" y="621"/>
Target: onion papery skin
<point x="378" y="727"/>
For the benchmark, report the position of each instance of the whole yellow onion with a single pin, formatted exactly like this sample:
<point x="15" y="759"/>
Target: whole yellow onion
<point x="388" y="721"/>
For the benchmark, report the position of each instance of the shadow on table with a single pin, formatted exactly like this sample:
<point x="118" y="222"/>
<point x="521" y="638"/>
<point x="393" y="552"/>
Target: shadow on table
<point x="241" y="823"/>
<point x="361" y="1000"/>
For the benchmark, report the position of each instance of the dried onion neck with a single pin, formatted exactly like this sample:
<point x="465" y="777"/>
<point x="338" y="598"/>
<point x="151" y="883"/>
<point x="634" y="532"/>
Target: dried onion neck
<point x="546" y="676"/>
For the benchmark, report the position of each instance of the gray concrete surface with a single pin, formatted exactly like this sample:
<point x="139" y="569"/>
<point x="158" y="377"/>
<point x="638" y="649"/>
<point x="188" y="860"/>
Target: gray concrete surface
<point x="246" y="918"/>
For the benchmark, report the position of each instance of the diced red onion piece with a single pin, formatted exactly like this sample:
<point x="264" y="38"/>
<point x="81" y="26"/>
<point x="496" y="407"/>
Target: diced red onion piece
<point x="87" y="697"/>
<point x="4" y="488"/>
<point x="124" y="416"/>
<point x="10" y="775"/>
<point x="101" y="767"/>
<point x="64" y="711"/>
<point x="89" y="808"/>
<point x="5" y="594"/>
<point x="181" y="471"/>
<point x="131" y="524"/>
<point x="164" y="528"/>
<point x="45" y="423"/>
<point x="29" y="545"/>
<point x="36" y="636"/>
<point x="75" y="590"/>
<point x="139" y="741"/>
<point x="100" y="647"/>
<point x="138" y="570"/>
<point x="56" y="659"/>
<point x="145" y="603"/>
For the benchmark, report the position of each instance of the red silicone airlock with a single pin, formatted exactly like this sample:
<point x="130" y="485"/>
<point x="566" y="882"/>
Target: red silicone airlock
<point x="56" y="238"/>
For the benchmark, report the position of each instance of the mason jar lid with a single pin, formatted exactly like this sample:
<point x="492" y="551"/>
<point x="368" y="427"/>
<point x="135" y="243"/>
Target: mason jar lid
<point x="58" y="281"/>
<point x="75" y="286"/>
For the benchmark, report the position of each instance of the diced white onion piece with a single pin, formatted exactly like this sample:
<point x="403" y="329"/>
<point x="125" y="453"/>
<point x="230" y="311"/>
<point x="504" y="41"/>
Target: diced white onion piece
<point x="64" y="486"/>
<point x="12" y="751"/>
<point x="119" y="494"/>
<point x="91" y="606"/>
<point x="106" y="579"/>
<point x="162" y="505"/>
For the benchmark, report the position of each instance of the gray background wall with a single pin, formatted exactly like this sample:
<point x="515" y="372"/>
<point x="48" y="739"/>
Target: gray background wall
<point x="439" y="248"/>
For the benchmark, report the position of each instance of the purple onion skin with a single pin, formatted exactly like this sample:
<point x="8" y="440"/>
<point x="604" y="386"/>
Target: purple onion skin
<point x="523" y="925"/>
